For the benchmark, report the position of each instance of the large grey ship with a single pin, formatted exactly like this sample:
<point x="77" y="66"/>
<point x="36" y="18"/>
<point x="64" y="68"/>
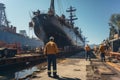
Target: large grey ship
<point x="9" y="35"/>
<point x="50" y="24"/>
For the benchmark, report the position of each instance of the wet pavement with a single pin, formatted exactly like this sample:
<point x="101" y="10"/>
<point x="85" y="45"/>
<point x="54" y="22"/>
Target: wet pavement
<point x="19" y="71"/>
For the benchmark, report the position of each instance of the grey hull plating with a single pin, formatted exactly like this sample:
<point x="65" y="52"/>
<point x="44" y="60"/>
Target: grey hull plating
<point x="10" y="37"/>
<point x="46" y="26"/>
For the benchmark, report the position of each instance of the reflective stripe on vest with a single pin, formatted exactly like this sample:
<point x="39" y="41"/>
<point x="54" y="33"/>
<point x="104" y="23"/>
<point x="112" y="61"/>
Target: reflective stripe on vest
<point x="49" y="70"/>
<point x="54" y="70"/>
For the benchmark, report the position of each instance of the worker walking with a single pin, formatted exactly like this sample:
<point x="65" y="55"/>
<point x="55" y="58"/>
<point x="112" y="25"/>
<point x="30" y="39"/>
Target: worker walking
<point x="102" y="52"/>
<point x="87" y="52"/>
<point x="50" y="50"/>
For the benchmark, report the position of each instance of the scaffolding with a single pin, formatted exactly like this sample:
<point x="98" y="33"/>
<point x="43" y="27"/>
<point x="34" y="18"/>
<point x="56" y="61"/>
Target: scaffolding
<point x="3" y="18"/>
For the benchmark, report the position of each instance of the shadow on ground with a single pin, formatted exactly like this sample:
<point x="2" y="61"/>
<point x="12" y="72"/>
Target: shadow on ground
<point x="81" y="55"/>
<point x="66" y="78"/>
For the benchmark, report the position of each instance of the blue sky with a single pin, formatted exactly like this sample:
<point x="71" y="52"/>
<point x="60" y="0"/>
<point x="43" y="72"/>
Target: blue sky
<point x="93" y="15"/>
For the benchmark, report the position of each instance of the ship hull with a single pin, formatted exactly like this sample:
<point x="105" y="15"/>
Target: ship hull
<point x="9" y="37"/>
<point x="46" y="26"/>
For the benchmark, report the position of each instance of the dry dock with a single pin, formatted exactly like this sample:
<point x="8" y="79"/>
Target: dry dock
<point x="20" y="59"/>
<point x="73" y="68"/>
<point x="70" y="69"/>
<point x="77" y="68"/>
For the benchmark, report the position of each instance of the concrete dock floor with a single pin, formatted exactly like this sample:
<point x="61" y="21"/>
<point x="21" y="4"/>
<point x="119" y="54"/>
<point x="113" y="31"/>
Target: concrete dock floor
<point x="77" y="68"/>
<point x="73" y="68"/>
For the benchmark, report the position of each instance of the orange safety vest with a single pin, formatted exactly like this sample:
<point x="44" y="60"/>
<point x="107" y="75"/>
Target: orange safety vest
<point x="87" y="48"/>
<point x="102" y="48"/>
<point x="50" y="48"/>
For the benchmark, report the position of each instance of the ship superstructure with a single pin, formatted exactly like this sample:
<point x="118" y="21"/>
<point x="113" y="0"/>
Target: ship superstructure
<point x="50" y="24"/>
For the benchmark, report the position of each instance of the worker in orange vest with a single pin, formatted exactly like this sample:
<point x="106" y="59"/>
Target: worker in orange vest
<point x="102" y="50"/>
<point x="50" y="51"/>
<point x="87" y="52"/>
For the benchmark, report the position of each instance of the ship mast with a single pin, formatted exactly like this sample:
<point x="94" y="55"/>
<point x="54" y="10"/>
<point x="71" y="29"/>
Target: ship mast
<point x="3" y="18"/>
<point x="72" y="17"/>
<point x="52" y="7"/>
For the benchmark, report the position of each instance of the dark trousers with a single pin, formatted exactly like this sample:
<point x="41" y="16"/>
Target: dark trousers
<point x="102" y="55"/>
<point x="51" y="59"/>
<point x="87" y="55"/>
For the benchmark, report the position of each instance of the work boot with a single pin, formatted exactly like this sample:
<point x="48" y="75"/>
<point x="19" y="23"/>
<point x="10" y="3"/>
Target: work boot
<point x="55" y="75"/>
<point x="89" y="59"/>
<point x="49" y="74"/>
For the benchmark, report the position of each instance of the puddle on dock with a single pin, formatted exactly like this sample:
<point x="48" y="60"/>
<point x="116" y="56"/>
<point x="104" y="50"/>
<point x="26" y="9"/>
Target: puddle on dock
<point x="19" y="71"/>
<point x="25" y="72"/>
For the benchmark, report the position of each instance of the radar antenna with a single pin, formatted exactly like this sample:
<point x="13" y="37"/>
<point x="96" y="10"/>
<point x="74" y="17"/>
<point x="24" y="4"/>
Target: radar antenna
<point x="71" y="17"/>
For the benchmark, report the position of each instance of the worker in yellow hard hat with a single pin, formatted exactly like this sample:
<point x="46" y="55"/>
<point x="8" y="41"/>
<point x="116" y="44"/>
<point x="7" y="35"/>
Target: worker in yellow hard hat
<point x="87" y="52"/>
<point x="102" y="52"/>
<point x="51" y="50"/>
